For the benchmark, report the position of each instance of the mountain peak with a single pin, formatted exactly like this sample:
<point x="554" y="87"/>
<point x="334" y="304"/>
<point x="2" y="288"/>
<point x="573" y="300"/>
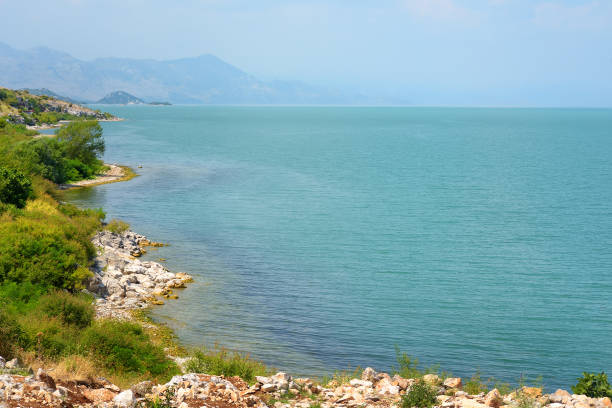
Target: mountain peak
<point x="120" y="98"/>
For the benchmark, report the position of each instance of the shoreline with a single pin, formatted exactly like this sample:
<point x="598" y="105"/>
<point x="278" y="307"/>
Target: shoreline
<point x="121" y="282"/>
<point x="59" y="124"/>
<point x="115" y="174"/>
<point x="125" y="287"/>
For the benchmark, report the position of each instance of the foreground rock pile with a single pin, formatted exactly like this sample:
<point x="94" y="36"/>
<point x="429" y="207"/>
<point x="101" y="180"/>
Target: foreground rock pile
<point x="278" y="391"/>
<point x="122" y="282"/>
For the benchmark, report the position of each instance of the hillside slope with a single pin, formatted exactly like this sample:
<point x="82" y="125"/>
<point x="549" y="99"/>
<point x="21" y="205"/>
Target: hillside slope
<point x="22" y="107"/>
<point x="120" y="98"/>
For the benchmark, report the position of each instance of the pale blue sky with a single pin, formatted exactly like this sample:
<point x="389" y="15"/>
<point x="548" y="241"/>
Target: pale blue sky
<point x="453" y="52"/>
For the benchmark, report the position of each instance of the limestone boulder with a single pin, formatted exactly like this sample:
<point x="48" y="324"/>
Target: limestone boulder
<point x="493" y="398"/>
<point x="454" y="382"/>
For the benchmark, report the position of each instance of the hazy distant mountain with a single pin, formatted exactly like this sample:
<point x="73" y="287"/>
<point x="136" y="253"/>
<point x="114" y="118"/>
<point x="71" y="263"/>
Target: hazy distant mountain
<point x="204" y="79"/>
<point x="48" y="92"/>
<point x="120" y="98"/>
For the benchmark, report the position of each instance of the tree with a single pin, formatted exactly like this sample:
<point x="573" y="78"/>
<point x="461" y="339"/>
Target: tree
<point x="15" y="187"/>
<point x="82" y="140"/>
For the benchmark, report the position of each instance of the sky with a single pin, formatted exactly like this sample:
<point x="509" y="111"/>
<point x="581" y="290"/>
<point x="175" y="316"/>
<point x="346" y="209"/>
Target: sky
<point x="438" y="52"/>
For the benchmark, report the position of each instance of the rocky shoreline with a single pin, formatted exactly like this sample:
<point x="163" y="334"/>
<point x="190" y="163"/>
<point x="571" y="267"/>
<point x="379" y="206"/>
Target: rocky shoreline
<point x="372" y="390"/>
<point x="122" y="282"/>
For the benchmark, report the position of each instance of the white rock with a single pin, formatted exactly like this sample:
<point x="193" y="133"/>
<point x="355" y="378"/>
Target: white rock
<point x="270" y="387"/>
<point x="361" y="383"/>
<point x="60" y="391"/>
<point x="124" y="399"/>
<point x="368" y="374"/>
<point x="14" y="363"/>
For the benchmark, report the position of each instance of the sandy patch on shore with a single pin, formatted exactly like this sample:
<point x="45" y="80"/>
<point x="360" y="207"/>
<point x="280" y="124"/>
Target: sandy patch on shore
<point x="113" y="174"/>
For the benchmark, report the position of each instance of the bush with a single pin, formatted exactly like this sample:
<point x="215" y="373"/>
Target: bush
<point x="15" y="187"/>
<point x="407" y="366"/>
<point x="420" y="395"/>
<point x="593" y="385"/>
<point x="10" y="334"/>
<point x="123" y="348"/>
<point x="475" y="385"/>
<point x="82" y="140"/>
<point x="44" y="246"/>
<point x="74" y="310"/>
<point x="43" y="157"/>
<point x="342" y="376"/>
<point x="223" y="362"/>
<point x="117" y="226"/>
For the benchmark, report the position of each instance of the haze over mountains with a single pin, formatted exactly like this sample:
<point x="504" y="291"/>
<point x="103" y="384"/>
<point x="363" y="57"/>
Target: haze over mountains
<point x="201" y="80"/>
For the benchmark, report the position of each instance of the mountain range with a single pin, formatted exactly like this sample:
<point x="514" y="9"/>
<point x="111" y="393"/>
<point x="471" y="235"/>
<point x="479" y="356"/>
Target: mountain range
<point x="199" y="80"/>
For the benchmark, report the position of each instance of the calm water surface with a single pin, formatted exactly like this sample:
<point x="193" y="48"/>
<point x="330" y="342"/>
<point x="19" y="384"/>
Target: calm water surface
<point x="320" y="238"/>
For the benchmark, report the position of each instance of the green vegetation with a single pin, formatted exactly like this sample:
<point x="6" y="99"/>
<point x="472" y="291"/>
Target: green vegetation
<point x="47" y="244"/>
<point x="593" y="385"/>
<point x="71" y="156"/>
<point x="117" y="226"/>
<point x="15" y="187"/>
<point x="408" y="367"/>
<point x="164" y="402"/>
<point x="524" y="400"/>
<point x="122" y="348"/>
<point x="223" y="362"/>
<point x="57" y="324"/>
<point x="342" y="376"/>
<point x="45" y="254"/>
<point x="475" y="385"/>
<point x="22" y="107"/>
<point x="420" y="395"/>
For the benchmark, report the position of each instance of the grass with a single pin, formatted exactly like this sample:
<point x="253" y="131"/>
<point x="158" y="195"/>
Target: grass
<point x="223" y="362"/>
<point x="408" y="367"/>
<point x="117" y="226"/>
<point x="164" y="402"/>
<point x="124" y="350"/>
<point x="160" y="334"/>
<point x="420" y="395"/>
<point x="342" y="376"/>
<point x="55" y="329"/>
<point x="475" y="385"/>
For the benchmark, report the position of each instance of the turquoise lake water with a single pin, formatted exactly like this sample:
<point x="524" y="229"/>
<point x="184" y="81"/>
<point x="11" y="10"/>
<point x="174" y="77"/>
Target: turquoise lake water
<point x="322" y="237"/>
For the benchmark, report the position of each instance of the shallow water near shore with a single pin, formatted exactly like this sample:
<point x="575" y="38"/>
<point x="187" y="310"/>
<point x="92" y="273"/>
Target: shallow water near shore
<point x="320" y="238"/>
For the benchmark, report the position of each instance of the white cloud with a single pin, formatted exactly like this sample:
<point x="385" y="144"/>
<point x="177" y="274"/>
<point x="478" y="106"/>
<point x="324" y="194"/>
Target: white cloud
<point x="594" y="15"/>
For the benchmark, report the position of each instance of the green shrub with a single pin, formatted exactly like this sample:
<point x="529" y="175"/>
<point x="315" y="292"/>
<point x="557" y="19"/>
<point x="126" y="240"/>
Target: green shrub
<point x="523" y="400"/>
<point x="420" y="395"/>
<point x="223" y="362"/>
<point x="123" y="348"/>
<point x="82" y="140"/>
<point x="43" y="157"/>
<point x="593" y="385"/>
<point x="342" y="376"/>
<point x="15" y="187"/>
<point x="408" y="367"/>
<point x="71" y="309"/>
<point x="44" y="251"/>
<point x="164" y="401"/>
<point x="475" y="385"/>
<point x="117" y="226"/>
<point x="10" y="334"/>
<point x="49" y="337"/>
